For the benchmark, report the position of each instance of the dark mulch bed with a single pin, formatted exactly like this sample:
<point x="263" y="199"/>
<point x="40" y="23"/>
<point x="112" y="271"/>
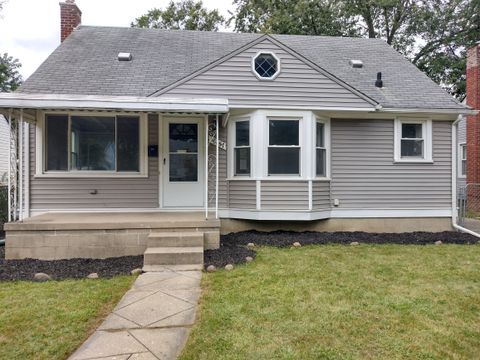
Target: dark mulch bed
<point x="227" y="254"/>
<point x="287" y="238"/>
<point x="66" y="269"/>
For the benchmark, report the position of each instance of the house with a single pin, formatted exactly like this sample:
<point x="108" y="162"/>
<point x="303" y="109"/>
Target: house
<point x="4" y="142"/>
<point x="136" y="132"/>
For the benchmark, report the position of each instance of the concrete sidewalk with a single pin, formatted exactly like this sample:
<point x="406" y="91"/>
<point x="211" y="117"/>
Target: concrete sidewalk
<point x="151" y="321"/>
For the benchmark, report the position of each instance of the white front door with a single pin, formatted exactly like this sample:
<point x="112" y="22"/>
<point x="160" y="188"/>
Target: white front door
<point x="183" y="162"/>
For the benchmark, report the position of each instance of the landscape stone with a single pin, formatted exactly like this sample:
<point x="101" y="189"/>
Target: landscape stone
<point x="41" y="277"/>
<point x="137" y="271"/>
<point x="354" y="243"/>
<point x="229" y="267"/>
<point x="92" y="276"/>
<point x="250" y="245"/>
<point x="249" y="258"/>
<point x="211" y="268"/>
<point x="297" y="244"/>
<point x="438" y="242"/>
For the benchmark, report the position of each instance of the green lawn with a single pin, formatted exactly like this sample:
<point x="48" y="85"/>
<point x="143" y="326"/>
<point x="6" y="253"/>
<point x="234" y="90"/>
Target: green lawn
<point x="343" y="302"/>
<point x="50" y="320"/>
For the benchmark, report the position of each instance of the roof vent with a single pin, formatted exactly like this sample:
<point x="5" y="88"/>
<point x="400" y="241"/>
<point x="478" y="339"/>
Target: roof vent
<point x="124" y="56"/>
<point x="356" y="64"/>
<point x="379" y="82"/>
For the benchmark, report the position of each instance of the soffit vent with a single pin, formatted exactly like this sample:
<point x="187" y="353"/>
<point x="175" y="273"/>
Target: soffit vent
<point x="356" y="64"/>
<point x="124" y="56"/>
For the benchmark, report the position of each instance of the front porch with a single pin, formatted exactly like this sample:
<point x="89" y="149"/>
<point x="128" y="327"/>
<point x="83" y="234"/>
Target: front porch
<point x="65" y="235"/>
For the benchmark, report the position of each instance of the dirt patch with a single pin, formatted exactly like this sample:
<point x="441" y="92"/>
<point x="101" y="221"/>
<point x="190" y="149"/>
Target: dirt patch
<point x="227" y="255"/>
<point x="287" y="238"/>
<point x="66" y="269"/>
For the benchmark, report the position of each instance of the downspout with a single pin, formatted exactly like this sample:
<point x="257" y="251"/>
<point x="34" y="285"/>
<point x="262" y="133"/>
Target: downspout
<point x="454" y="182"/>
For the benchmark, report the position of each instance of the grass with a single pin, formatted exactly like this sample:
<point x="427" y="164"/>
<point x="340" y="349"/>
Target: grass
<point x="50" y="320"/>
<point x="343" y="302"/>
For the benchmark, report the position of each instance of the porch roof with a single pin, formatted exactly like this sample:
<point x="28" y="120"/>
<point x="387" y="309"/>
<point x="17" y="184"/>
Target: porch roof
<point x="119" y="103"/>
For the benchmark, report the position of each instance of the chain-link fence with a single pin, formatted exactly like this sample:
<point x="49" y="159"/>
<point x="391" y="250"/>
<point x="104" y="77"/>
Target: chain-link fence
<point x="469" y="207"/>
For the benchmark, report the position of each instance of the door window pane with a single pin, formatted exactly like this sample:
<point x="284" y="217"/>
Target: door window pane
<point x="128" y="143"/>
<point x="283" y="161"/>
<point x="412" y="148"/>
<point x="56" y="132"/>
<point x="242" y="133"/>
<point x="183" y="138"/>
<point x="242" y="161"/>
<point x="92" y="143"/>
<point x="183" y="167"/>
<point x="283" y="132"/>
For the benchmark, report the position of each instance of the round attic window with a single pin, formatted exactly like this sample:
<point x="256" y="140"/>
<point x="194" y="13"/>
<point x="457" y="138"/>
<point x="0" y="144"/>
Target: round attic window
<point x="266" y="65"/>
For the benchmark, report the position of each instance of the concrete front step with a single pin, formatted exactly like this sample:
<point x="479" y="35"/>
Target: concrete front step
<point x="173" y="255"/>
<point x="175" y="239"/>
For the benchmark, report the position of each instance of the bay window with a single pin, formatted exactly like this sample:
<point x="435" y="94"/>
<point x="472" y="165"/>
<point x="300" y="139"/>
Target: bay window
<point x="283" y="147"/>
<point x="320" y="150"/>
<point x="103" y="143"/>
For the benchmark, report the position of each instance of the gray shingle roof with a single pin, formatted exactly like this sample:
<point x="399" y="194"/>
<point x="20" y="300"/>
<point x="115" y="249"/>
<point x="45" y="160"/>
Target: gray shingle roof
<point x="86" y="63"/>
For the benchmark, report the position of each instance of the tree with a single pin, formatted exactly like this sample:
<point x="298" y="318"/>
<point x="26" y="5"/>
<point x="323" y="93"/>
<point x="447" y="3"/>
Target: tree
<point x="181" y="15"/>
<point x="10" y="78"/>
<point x="433" y="34"/>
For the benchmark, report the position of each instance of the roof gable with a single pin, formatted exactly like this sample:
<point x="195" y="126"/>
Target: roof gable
<point x="298" y="84"/>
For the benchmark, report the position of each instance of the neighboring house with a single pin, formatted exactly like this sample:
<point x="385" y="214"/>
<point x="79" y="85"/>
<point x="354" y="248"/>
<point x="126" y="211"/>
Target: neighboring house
<point x="319" y="133"/>
<point x="4" y="143"/>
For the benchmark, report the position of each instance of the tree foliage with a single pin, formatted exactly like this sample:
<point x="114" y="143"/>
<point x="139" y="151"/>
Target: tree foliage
<point x="10" y="78"/>
<point x="433" y="34"/>
<point x="181" y="15"/>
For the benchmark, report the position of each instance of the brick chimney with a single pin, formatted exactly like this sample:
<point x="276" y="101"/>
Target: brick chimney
<point x="70" y="18"/>
<point x="473" y="121"/>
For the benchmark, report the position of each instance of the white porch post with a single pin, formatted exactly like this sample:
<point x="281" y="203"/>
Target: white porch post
<point x="20" y="165"/>
<point x="9" y="173"/>
<point x="26" y="141"/>
<point x="206" y="166"/>
<point x="216" y="167"/>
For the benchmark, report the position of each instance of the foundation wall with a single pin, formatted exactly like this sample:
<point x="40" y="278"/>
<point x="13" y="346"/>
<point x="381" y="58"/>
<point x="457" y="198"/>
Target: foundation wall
<point x="379" y="225"/>
<point x="94" y="244"/>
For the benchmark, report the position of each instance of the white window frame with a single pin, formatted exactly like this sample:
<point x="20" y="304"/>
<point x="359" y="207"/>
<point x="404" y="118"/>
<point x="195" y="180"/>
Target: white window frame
<point x="462" y="146"/>
<point x="40" y="136"/>
<point x="278" y="65"/>
<point x="427" y="140"/>
<point x="235" y="146"/>
<point x="231" y="144"/>
<point x="326" y="143"/>
<point x="299" y="146"/>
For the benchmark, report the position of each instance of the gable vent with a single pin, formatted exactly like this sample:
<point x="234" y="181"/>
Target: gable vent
<point x="124" y="56"/>
<point x="356" y="64"/>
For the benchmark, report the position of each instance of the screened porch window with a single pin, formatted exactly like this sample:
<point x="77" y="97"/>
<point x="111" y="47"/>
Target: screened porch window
<point x="92" y="143"/>
<point x="283" y="147"/>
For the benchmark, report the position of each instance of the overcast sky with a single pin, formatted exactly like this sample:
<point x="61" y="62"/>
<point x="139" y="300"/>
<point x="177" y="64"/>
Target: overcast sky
<point x="30" y="29"/>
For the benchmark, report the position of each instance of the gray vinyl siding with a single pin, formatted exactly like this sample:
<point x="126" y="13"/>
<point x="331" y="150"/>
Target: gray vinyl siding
<point x="74" y="193"/>
<point x="222" y="170"/>
<point x="297" y="84"/>
<point x="284" y="195"/>
<point x="321" y="195"/>
<point x="242" y="194"/>
<point x="364" y="175"/>
<point x="4" y="142"/>
<point x="461" y="139"/>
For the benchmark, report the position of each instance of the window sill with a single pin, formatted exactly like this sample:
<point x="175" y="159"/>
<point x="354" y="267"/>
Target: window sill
<point x="84" y="175"/>
<point x="413" y="161"/>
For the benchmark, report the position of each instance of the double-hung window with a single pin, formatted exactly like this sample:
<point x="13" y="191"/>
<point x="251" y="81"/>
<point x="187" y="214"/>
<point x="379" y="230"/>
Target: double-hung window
<point x="413" y="140"/>
<point x="463" y="160"/>
<point x="320" y="150"/>
<point x="242" y="148"/>
<point x="88" y="143"/>
<point x="283" y="147"/>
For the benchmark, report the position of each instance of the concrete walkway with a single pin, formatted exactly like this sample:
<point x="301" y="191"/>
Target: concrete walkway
<point x="151" y="321"/>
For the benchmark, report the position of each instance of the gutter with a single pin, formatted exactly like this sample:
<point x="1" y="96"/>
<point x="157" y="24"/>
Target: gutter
<point x="454" y="182"/>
